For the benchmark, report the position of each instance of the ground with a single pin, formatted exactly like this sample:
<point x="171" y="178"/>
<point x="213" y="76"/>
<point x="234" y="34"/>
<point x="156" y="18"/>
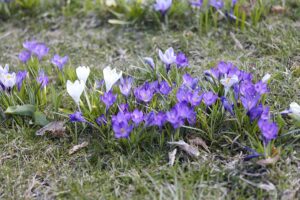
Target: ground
<point x="34" y="167"/>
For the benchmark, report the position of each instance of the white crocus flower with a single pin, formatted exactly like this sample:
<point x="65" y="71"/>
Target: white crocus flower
<point x="75" y="89"/>
<point x="83" y="73"/>
<point x="266" y="78"/>
<point x="8" y="80"/>
<point x="228" y="82"/>
<point x="4" y="69"/>
<point x="110" y="77"/>
<point x="295" y="111"/>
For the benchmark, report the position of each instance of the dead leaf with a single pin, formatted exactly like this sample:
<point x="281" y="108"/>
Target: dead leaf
<point x="197" y="141"/>
<point x="192" y="151"/>
<point x="268" y="161"/>
<point x="269" y="186"/>
<point x="278" y="9"/>
<point x="54" y="129"/>
<point x="78" y="147"/>
<point x="172" y="155"/>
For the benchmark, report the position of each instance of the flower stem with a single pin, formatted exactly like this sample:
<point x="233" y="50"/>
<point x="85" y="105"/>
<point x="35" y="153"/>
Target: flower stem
<point x="87" y="100"/>
<point x="76" y="134"/>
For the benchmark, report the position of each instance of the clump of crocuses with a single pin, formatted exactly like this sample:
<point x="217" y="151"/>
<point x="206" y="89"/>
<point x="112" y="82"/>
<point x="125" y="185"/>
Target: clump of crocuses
<point x="238" y="89"/>
<point x="33" y="48"/>
<point x="128" y="105"/>
<point x="240" y="85"/>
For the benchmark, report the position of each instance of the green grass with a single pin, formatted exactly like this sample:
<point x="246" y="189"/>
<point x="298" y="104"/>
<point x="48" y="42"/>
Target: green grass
<point x="34" y="167"/>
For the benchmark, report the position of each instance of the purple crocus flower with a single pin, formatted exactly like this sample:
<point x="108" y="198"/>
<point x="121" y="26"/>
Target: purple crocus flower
<point x="137" y="116"/>
<point x="195" y="98"/>
<point x="265" y="115"/>
<point x="218" y="4"/>
<point x="168" y="58"/>
<point x="234" y="71"/>
<point x="29" y="45"/>
<point x="223" y="67"/>
<point x="184" y="111"/>
<point x="125" y="85"/>
<point x="101" y="120"/>
<point x="234" y="2"/>
<point x="215" y="73"/>
<point x="150" y="62"/>
<point x="162" y="6"/>
<point x="149" y="119"/>
<point x="181" y="60"/>
<point x="245" y="76"/>
<point x="261" y="88"/>
<point x="209" y="98"/>
<point x="268" y="129"/>
<point x="120" y="117"/>
<point x="212" y="73"/>
<point x="154" y="86"/>
<point x="183" y="94"/>
<point x="164" y="88"/>
<point x="197" y="3"/>
<point x="249" y="102"/>
<point x="124" y="107"/>
<point x="247" y="89"/>
<point x="227" y="105"/>
<point x="21" y="75"/>
<point x="144" y="93"/>
<point x="77" y="117"/>
<point x="40" y="50"/>
<point x="236" y="91"/>
<point x="122" y="129"/>
<point x="108" y="98"/>
<point x="173" y="117"/>
<point x="189" y="81"/>
<point x="255" y="112"/>
<point x="159" y="119"/>
<point x="42" y="79"/>
<point x="192" y="118"/>
<point x="24" y="56"/>
<point x="59" y="61"/>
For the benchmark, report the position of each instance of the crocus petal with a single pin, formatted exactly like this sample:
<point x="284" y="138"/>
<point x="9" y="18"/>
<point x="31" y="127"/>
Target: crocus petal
<point x="229" y="81"/>
<point x="4" y="69"/>
<point x="75" y="89"/>
<point x="110" y="77"/>
<point x="295" y="111"/>
<point x="266" y="78"/>
<point x="295" y="108"/>
<point x="161" y="55"/>
<point x="150" y="62"/>
<point x="83" y="73"/>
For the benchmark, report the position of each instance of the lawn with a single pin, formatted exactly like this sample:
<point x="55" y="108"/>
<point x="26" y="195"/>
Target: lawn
<point x="40" y="167"/>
